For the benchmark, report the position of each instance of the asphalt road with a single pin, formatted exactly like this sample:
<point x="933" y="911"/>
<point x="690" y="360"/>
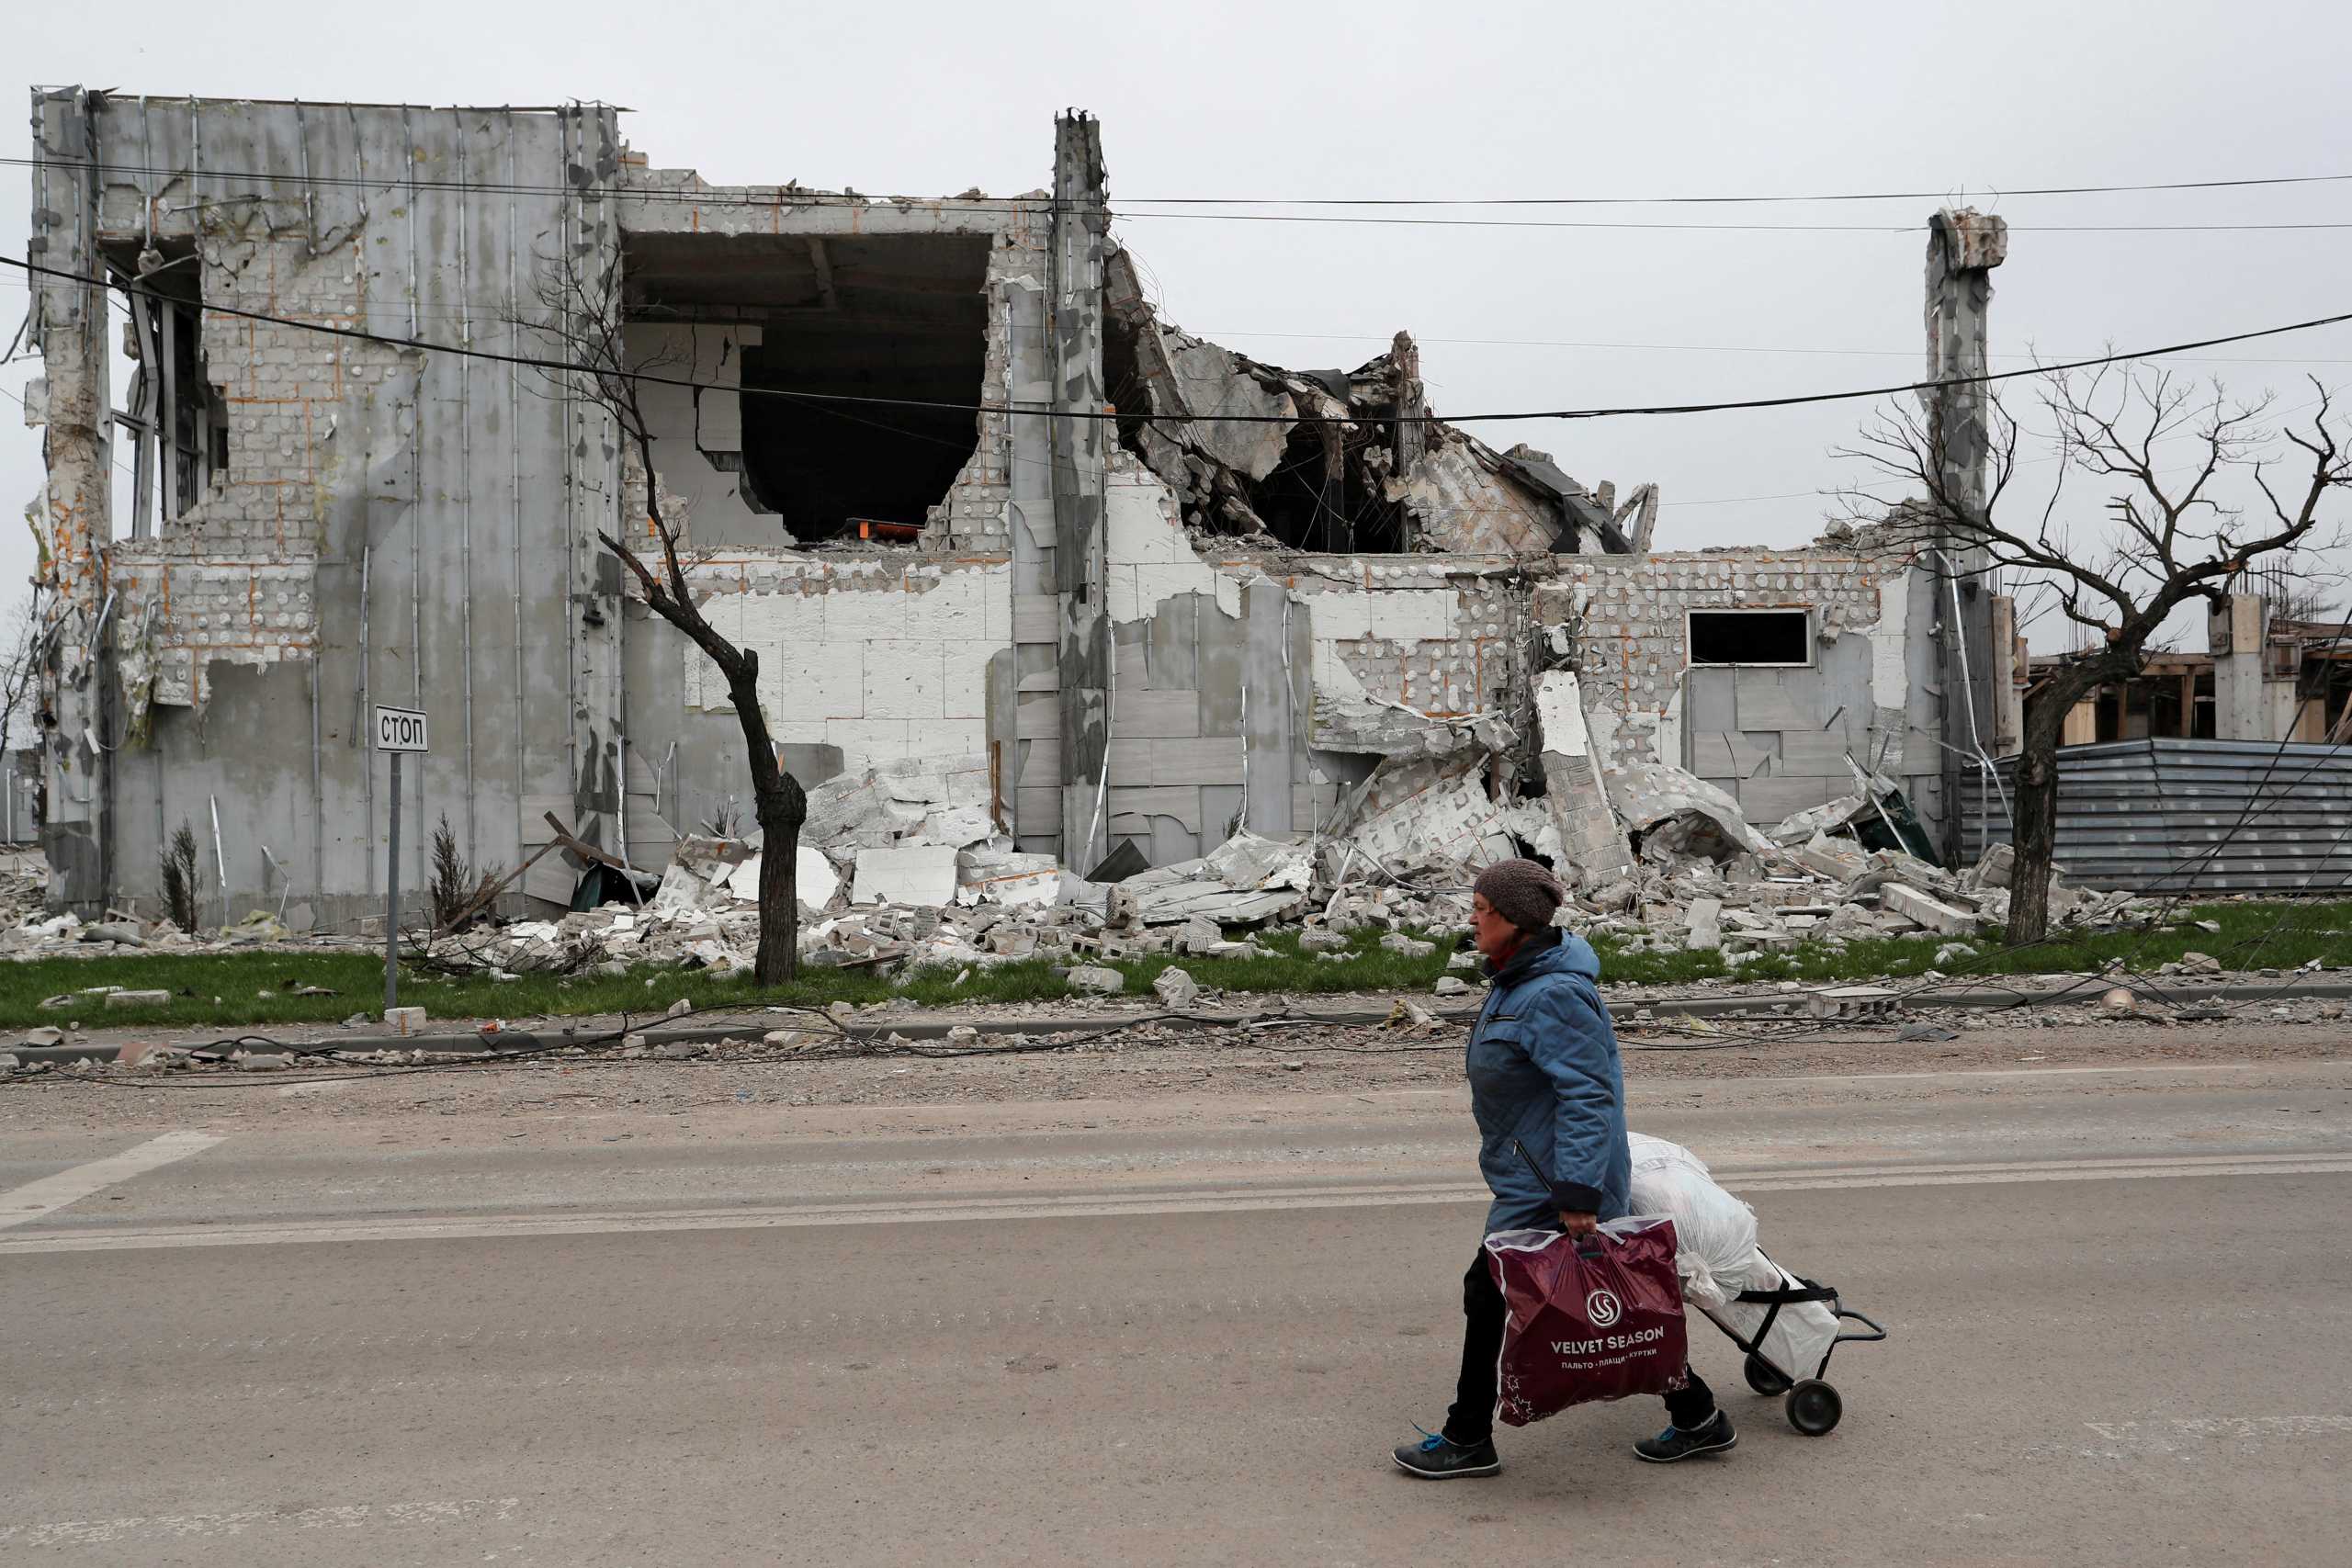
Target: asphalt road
<point x="2118" y="1299"/>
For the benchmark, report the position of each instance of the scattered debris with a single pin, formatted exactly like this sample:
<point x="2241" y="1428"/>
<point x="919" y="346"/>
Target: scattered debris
<point x="1175" y="988"/>
<point x="1097" y="980"/>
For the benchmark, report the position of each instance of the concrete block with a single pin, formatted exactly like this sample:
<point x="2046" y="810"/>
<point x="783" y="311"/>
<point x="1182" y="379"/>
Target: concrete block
<point x="956" y="610"/>
<point x="1156" y="584"/>
<point x="864" y="741"/>
<point x="1936" y="916"/>
<point x="138" y="998"/>
<point x="1213" y="759"/>
<point x="1131" y="764"/>
<point x="1842" y="860"/>
<point x="1769" y="699"/>
<point x="905" y="680"/>
<point x="1035" y="618"/>
<point x="780" y="620"/>
<point x="1039" y="764"/>
<point x="1120" y="596"/>
<point x="1039" y="714"/>
<point x="1340" y="615"/>
<point x="405" y="1022"/>
<point x="1707" y="702"/>
<point x="1770" y="798"/>
<point x="1180" y="802"/>
<point x="1155" y="715"/>
<point x="1814" y="754"/>
<point x="1170" y="663"/>
<point x="1038" y="812"/>
<point x="996" y="607"/>
<point x="1410" y="616"/>
<point x="1137" y="531"/>
<point x="948" y="738"/>
<point x="807" y="681"/>
<point x="1175" y="988"/>
<point x="1702" y="926"/>
<point x="1093" y="979"/>
<point x="921" y="875"/>
<point x="864" y="614"/>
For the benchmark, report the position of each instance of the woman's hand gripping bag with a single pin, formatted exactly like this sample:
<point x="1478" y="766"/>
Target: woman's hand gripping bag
<point x="1590" y="1319"/>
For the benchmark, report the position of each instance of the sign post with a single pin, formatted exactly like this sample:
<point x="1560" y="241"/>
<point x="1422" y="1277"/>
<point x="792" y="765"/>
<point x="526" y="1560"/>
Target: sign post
<point x="397" y="730"/>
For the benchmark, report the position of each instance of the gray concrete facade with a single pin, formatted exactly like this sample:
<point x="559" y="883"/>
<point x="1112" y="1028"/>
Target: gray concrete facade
<point x="389" y="525"/>
<point x="374" y="508"/>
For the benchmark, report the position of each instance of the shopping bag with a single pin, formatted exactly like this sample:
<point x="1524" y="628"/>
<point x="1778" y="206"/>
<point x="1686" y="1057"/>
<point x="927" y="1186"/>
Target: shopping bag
<point x="1590" y="1318"/>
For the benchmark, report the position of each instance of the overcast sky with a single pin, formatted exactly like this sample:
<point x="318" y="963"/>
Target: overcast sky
<point x="1465" y="100"/>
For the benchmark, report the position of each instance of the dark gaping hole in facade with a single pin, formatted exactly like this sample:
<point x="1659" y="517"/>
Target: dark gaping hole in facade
<point x="174" y="418"/>
<point x="1321" y="495"/>
<point x="1751" y="637"/>
<point x="903" y="320"/>
<point x="1321" y="498"/>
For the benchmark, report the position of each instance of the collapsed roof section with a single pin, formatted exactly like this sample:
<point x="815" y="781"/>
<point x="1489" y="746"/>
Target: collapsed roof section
<point x="1336" y="460"/>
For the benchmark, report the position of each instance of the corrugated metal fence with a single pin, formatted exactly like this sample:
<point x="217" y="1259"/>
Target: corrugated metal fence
<point x="2192" y="816"/>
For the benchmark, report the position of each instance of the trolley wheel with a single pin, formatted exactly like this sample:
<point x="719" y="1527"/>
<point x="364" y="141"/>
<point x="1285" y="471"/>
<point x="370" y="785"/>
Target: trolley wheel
<point x="1764" y="1377"/>
<point x="1813" y="1407"/>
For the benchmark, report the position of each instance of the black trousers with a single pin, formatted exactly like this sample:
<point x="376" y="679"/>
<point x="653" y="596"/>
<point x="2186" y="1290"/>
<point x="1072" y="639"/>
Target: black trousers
<point x="1471" y="1419"/>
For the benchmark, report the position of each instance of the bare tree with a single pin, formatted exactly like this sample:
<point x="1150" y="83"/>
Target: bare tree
<point x="2176" y="533"/>
<point x="20" y="637"/>
<point x="584" y="313"/>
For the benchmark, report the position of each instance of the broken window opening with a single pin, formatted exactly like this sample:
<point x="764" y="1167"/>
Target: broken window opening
<point x="1310" y="502"/>
<point x="895" y="318"/>
<point x="1321" y="491"/>
<point x="178" y="420"/>
<point x="1780" y="638"/>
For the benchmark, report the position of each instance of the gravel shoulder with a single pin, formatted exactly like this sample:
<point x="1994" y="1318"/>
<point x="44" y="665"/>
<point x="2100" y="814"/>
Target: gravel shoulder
<point x="1144" y="1077"/>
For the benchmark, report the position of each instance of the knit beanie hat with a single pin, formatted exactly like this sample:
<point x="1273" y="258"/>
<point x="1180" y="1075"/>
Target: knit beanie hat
<point x="1521" y="891"/>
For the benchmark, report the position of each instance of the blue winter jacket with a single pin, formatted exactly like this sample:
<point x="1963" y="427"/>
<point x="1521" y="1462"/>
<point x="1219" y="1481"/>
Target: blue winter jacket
<point x="1544" y="1072"/>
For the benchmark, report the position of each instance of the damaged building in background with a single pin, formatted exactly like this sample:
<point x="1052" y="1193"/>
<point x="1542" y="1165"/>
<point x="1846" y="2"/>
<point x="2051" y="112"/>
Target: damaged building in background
<point x="1044" y="590"/>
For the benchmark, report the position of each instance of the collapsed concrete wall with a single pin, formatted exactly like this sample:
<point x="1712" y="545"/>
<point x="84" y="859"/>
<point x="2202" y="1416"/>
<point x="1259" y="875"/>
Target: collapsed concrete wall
<point x="1329" y="460"/>
<point x="869" y="555"/>
<point x="862" y="662"/>
<point x="335" y="523"/>
<point x="1804" y="663"/>
<point x="1154" y="591"/>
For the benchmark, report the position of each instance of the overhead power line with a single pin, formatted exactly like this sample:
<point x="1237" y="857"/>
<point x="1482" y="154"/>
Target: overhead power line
<point x="724" y="193"/>
<point x="781" y="197"/>
<point x="1944" y="195"/>
<point x="1723" y="228"/>
<point x="1012" y="410"/>
<point x="480" y="313"/>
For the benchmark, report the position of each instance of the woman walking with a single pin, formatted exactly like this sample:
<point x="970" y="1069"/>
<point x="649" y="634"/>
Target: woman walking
<point x="1544" y="1073"/>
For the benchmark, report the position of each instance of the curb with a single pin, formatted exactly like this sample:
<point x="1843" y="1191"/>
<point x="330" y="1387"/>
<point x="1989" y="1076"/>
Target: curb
<point x="1760" y="1005"/>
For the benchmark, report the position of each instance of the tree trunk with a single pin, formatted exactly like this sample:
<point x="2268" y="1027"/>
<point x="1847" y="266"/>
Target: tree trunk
<point x="780" y="810"/>
<point x="779" y="804"/>
<point x="2035" y="838"/>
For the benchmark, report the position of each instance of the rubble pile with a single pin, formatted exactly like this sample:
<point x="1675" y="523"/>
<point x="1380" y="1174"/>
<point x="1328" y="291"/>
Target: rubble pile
<point x="37" y="935"/>
<point x="904" y="865"/>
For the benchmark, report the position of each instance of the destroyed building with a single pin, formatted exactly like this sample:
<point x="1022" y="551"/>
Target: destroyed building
<point x="1016" y="553"/>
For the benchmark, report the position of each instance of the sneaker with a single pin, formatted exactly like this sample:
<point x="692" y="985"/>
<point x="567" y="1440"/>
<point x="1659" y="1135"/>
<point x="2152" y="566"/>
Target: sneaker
<point x="1673" y="1443"/>
<point x="1438" y="1458"/>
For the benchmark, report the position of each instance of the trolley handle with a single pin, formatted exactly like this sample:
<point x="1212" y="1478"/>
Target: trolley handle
<point x="1877" y="1332"/>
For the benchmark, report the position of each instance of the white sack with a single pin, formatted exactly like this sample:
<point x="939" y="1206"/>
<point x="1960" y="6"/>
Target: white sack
<point x="1801" y="1335"/>
<point x="1714" y="1232"/>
